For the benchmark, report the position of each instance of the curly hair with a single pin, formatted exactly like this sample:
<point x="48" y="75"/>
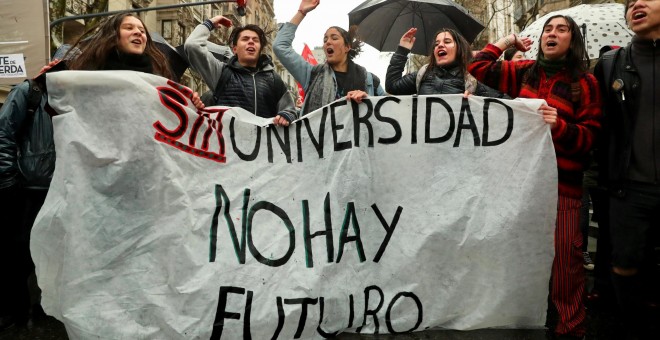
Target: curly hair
<point x="96" y="43"/>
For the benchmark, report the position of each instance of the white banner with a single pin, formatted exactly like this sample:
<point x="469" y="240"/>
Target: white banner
<point x="399" y="214"/>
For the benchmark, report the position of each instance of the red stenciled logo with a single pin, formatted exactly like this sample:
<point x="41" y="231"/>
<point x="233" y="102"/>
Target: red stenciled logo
<point x="203" y="138"/>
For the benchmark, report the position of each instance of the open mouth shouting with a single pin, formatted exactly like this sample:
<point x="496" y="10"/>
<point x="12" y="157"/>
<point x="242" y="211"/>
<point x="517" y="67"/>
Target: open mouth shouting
<point x="638" y="16"/>
<point x="442" y="53"/>
<point x="329" y="51"/>
<point x="551" y="43"/>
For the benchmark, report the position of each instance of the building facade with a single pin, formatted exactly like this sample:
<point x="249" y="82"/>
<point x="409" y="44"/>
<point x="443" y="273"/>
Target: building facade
<point x="175" y="24"/>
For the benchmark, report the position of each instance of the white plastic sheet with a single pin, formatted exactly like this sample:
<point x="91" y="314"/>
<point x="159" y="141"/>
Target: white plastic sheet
<point x="397" y="214"/>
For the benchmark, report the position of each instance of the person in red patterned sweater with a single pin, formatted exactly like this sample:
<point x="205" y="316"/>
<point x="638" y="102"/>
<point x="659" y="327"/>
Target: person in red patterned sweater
<point x="558" y="75"/>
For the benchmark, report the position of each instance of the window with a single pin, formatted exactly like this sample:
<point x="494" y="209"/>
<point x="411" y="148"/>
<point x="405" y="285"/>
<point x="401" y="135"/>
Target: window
<point x="166" y="29"/>
<point x="77" y="7"/>
<point x="181" y="38"/>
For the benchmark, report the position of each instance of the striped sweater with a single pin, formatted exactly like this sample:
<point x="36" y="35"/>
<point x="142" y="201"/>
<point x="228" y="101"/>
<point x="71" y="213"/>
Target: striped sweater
<point x="577" y="120"/>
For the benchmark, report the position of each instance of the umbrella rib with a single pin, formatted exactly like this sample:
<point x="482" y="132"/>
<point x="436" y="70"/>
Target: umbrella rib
<point x="401" y="8"/>
<point x="403" y="14"/>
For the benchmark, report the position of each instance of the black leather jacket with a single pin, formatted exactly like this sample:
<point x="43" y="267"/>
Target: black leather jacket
<point x="620" y="107"/>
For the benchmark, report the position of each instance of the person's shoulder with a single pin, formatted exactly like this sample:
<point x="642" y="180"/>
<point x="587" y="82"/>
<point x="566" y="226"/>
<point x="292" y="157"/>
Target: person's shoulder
<point x="21" y="90"/>
<point x="24" y="86"/>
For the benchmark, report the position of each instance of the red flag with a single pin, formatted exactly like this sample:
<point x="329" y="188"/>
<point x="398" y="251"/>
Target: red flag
<point x="307" y="55"/>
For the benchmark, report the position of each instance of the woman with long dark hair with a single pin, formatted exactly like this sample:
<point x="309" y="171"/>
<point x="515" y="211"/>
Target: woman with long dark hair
<point x="121" y="42"/>
<point x="559" y="76"/>
<point x="444" y="73"/>
<point x="338" y="77"/>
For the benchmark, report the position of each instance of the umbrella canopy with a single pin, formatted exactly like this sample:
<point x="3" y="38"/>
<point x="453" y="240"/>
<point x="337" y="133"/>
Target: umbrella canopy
<point x="382" y="22"/>
<point x="178" y="62"/>
<point x="601" y="24"/>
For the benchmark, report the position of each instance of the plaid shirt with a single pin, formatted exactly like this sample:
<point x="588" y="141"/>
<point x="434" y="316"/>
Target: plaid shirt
<point x="577" y="121"/>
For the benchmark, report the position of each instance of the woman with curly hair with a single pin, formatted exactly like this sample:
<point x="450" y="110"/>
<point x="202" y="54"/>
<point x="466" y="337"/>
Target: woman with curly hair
<point x="338" y="77"/>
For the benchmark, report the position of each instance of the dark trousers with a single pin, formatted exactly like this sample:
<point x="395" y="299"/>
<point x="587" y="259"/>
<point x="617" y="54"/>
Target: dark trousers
<point x="34" y="199"/>
<point x="603" y="262"/>
<point x="635" y="220"/>
<point x="18" y="208"/>
<point x="11" y="206"/>
<point x="585" y="218"/>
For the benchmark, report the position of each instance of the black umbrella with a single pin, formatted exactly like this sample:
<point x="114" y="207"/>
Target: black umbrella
<point x="382" y="22"/>
<point x="178" y="62"/>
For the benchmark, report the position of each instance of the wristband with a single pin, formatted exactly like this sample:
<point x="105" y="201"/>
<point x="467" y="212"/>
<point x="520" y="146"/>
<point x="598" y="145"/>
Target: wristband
<point x="208" y="24"/>
<point x="301" y="12"/>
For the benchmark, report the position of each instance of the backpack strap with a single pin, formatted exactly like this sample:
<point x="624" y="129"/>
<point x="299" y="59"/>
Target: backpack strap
<point x="420" y="76"/>
<point x="34" y="97"/>
<point x="32" y="105"/>
<point x="609" y="59"/>
<point x="222" y="83"/>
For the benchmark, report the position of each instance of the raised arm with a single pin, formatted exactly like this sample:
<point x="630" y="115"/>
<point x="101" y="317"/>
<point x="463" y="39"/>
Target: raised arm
<point x="505" y="76"/>
<point x="299" y="68"/>
<point x="305" y="7"/>
<point x="201" y="60"/>
<point x="395" y="82"/>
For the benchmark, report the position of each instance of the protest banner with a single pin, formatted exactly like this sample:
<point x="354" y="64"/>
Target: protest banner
<point x="398" y="214"/>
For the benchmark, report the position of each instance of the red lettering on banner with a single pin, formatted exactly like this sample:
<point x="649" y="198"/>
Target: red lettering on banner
<point x="208" y="123"/>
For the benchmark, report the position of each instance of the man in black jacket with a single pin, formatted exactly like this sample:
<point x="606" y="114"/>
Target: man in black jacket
<point x="630" y="81"/>
<point x="27" y="161"/>
<point x="248" y="79"/>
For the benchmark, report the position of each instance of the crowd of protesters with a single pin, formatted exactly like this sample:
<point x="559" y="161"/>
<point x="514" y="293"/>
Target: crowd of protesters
<point x="604" y="117"/>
